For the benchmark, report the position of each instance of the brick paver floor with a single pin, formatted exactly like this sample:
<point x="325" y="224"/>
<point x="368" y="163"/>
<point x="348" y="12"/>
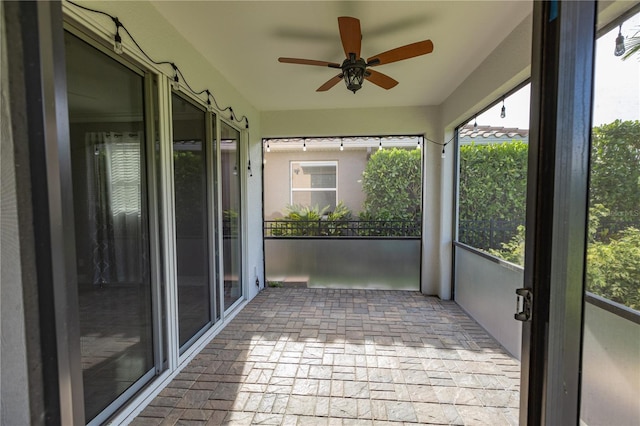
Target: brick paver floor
<point x="297" y="356"/>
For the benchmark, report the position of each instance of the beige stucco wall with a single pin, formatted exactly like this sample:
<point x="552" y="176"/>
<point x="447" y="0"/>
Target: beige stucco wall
<point x="351" y="164"/>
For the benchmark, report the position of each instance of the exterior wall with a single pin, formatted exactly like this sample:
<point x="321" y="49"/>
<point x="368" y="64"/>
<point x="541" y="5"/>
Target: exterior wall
<point x="351" y="164"/>
<point x="611" y="372"/>
<point x="158" y="38"/>
<point x="485" y="289"/>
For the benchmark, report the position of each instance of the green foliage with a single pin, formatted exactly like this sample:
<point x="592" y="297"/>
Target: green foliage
<point x="190" y="192"/>
<point x="340" y="212"/>
<point x="613" y="266"/>
<point x="596" y="214"/>
<point x="615" y="174"/>
<point x="513" y="250"/>
<point x="613" y="269"/>
<point x="230" y="223"/>
<point x="297" y="212"/>
<point x="613" y="261"/>
<point x="493" y="181"/>
<point x="313" y="221"/>
<point x="392" y="185"/>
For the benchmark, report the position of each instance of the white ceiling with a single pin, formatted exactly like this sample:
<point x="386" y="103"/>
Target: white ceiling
<point x="243" y="39"/>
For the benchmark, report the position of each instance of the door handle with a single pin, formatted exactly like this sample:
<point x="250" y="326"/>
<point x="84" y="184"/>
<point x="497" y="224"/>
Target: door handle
<point x="524" y="303"/>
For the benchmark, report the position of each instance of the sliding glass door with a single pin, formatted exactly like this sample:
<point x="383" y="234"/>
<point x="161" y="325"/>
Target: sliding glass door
<point x="107" y="135"/>
<point x="124" y="157"/>
<point x="191" y="180"/>
<point x="231" y="205"/>
<point x="611" y="344"/>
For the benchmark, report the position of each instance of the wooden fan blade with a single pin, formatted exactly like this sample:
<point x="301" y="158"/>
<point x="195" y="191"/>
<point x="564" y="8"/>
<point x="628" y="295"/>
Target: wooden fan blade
<point x="329" y="84"/>
<point x="380" y="79"/>
<point x="350" y="35"/>
<point x="309" y="62"/>
<point x="400" y="53"/>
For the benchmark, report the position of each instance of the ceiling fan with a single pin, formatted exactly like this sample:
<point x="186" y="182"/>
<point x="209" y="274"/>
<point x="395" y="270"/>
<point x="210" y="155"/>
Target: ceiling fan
<point x="354" y="69"/>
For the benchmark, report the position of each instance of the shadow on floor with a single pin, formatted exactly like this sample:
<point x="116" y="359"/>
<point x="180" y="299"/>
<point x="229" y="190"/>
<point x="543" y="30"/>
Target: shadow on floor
<point x="320" y="356"/>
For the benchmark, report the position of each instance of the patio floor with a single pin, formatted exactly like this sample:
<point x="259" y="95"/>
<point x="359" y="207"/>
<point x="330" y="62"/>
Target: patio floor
<point x="297" y="356"/>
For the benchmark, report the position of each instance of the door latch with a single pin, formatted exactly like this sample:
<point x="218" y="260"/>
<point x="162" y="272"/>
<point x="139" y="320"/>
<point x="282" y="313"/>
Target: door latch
<point x="524" y="302"/>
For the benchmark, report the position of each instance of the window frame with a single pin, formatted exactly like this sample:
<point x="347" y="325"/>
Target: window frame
<point x="456" y="178"/>
<point x="85" y="34"/>
<point x="312" y="163"/>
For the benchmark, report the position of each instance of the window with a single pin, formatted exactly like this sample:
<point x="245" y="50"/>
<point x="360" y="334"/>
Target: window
<point x="613" y="258"/>
<point x="492" y="179"/>
<point x="314" y="183"/>
<point x="610" y="349"/>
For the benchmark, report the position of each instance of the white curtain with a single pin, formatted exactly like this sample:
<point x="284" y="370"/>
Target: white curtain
<point x="114" y="182"/>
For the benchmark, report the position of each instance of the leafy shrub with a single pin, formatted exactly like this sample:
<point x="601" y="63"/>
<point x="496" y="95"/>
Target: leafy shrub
<point x="613" y="261"/>
<point x="300" y="213"/>
<point x="313" y="221"/>
<point x="392" y="183"/>
<point x="493" y="181"/>
<point x="340" y="212"/>
<point x="613" y="268"/>
<point x="513" y="250"/>
<point x="615" y="175"/>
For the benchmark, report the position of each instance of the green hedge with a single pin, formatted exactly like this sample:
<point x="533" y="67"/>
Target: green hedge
<point x="392" y="183"/>
<point x="615" y="173"/>
<point x="493" y="181"/>
<point x="493" y="186"/>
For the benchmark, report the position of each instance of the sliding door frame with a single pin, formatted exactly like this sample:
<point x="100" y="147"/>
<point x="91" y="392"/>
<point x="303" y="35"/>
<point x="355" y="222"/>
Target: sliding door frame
<point x="557" y="198"/>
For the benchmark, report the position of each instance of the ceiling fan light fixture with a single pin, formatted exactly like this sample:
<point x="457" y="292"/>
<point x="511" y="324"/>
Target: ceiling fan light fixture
<point x="354" y="68"/>
<point x="353" y="73"/>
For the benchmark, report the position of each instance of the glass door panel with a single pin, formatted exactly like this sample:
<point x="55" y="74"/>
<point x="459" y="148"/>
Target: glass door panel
<point x="231" y="229"/>
<point x="106" y="102"/>
<point x="611" y="343"/>
<point x="192" y="240"/>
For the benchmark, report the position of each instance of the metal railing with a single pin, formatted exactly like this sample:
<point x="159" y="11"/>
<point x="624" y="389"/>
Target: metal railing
<point x="487" y="234"/>
<point x="342" y="228"/>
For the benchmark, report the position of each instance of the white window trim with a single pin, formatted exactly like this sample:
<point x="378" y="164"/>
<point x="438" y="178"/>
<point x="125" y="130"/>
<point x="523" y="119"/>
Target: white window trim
<point x="333" y="163"/>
